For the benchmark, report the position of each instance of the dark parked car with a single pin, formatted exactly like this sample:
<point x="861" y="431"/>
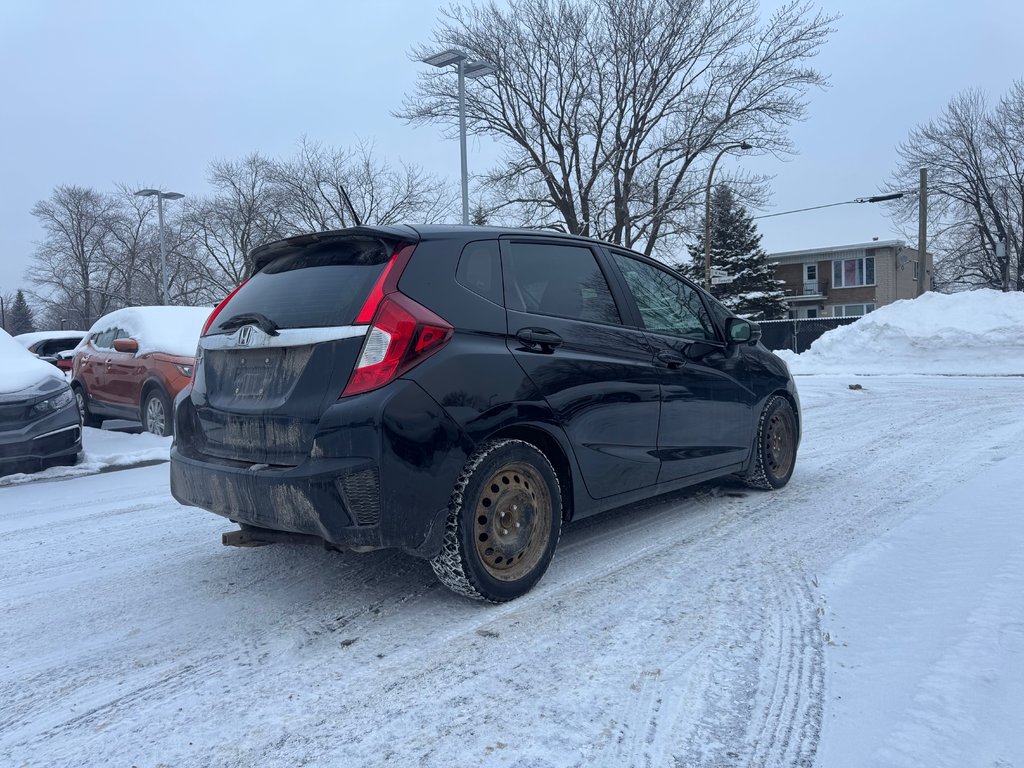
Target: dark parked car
<point x="461" y="392"/>
<point x="39" y="421"/>
<point x="52" y="346"/>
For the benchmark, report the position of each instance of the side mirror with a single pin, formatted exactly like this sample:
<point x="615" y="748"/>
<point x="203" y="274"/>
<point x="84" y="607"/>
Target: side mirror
<point x="126" y="345"/>
<point x="742" y="331"/>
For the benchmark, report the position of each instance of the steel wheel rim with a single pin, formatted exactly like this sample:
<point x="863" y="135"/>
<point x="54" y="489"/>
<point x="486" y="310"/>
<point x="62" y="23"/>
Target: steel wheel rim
<point x="512" y="521"/>
<point x="155" y="416"/>
<point x="779" y="445"/>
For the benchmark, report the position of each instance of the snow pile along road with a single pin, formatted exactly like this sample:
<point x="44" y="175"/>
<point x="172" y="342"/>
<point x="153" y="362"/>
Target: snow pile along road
<point x="102" y="451"/>
<point x="972" y="333"/>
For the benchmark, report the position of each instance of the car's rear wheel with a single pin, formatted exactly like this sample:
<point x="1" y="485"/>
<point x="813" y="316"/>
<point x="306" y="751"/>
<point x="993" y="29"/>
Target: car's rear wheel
<point x="88" y="420"/>
<point x="156" y="413"/>
<point x="775" y="447"/>
<point x="504" y="519"/>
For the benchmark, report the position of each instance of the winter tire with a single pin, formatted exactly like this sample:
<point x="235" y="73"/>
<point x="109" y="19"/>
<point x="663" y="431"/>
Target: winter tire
<point x="156" y="413"/>
<point x="775" y="447"/>
<point x="504" y="519"/>
<point x="88" y="420"/>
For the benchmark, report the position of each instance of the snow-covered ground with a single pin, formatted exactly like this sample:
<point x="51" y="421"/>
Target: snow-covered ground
<point x="868" y="614"/>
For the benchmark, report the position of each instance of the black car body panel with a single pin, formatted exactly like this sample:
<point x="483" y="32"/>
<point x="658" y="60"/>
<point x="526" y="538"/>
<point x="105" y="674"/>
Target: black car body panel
<point x="269" y="436"/>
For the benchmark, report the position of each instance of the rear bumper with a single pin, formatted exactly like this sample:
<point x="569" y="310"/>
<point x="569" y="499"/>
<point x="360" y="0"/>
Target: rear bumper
<point x="379" y="474"/>
<point x="304" y="499"/>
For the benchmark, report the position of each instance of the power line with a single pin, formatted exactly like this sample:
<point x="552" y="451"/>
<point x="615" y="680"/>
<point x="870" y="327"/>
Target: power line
<point x="934" y="187"/>
<point x="873" y="199"/>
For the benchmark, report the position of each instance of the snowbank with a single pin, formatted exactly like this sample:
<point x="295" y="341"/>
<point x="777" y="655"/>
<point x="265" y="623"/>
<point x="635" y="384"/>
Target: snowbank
<point x="173" y="330"/>
<point x="19" y="368"/>
<point x="102" y="451"/>
<point x="971" y="333"/>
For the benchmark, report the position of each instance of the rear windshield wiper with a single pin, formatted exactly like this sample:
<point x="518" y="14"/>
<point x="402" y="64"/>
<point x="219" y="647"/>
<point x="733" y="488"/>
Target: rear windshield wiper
<point x="264" y="323"/>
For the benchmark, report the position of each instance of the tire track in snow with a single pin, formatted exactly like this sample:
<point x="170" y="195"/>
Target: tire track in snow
<point x="738" y="683"/>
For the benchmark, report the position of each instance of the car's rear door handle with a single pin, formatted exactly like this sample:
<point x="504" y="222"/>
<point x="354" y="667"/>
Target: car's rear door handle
<point x="539" y="339"/>
<point x="670" y="359"/>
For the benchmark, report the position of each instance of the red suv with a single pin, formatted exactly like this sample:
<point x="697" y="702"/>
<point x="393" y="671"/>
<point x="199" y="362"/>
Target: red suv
<point x="134" y="362"/>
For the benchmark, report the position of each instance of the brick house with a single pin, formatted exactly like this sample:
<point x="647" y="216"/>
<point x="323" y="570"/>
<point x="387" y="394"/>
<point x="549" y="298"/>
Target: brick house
<point x="846" y="280"/>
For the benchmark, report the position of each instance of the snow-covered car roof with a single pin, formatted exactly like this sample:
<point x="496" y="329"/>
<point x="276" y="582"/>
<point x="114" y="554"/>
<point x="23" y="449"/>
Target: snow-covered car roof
<point x="19" y="368"/>
<point x="28" y="339"/>
<point x="172" y="330"/>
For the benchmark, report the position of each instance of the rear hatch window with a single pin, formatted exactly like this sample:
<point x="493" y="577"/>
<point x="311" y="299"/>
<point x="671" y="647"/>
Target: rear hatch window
<point x="263" y="403"/>
<point x="315" y="287"/>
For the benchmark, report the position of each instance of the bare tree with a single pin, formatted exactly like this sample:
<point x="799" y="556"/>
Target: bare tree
<point x="133" y="253"/>
<point x="71" y="264"/>
<point x="246" y="211"/>
<point x="325" y="188"/>
<point x="611" y="110"/>
<point x="975" y="160"/>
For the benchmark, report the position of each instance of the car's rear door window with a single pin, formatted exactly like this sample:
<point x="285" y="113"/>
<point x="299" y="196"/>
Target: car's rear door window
<point x="560" y="280"/>
<point x="316" y="287"/>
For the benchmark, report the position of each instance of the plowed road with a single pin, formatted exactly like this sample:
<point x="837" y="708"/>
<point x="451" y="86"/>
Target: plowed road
<point x="684" y="631"/>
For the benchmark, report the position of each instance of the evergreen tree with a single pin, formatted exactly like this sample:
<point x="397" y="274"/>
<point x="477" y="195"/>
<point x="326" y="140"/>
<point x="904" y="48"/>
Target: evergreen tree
<point x="19" y="316"/>
<point x="736" y="249"/>
<point x="478" y="217"/>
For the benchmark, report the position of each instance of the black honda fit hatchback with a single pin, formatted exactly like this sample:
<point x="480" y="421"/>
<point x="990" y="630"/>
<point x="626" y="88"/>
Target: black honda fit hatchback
<point x="461" y="392"/>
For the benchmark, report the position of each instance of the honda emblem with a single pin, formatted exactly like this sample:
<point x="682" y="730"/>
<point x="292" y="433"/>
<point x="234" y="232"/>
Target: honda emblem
<point x="244" y="335"/>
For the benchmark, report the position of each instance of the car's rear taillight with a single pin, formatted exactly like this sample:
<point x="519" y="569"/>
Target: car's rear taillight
<point x="213" y="315"/>
<point x="403" y="334"/>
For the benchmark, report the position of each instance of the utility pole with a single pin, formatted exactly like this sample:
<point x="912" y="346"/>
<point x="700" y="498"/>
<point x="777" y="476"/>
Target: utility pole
<point x="924" y="266"/>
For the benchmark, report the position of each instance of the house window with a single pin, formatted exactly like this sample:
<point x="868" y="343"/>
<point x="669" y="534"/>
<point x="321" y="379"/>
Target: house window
<point x="915" y="269"/>
<point x="810" y="272"/>
<point x="847" y="273"/>
<point x="851" y="310"/>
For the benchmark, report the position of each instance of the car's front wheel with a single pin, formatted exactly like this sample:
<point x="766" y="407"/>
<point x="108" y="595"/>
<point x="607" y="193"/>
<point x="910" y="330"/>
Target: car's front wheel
<point x="775" y="446"/>
<point x="156" y="413"/>
<point x="504" y="519"/>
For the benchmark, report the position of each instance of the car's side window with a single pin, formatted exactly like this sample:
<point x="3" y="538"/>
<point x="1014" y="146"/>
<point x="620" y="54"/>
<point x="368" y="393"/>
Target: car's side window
<point x="480" y="269"/>
<point x="105" y="339"/>
<point x="666" y="303"/>
<point x="559" y="280"/>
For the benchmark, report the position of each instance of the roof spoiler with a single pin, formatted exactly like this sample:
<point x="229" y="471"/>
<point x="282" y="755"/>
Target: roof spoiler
<point x="264" y="254"/>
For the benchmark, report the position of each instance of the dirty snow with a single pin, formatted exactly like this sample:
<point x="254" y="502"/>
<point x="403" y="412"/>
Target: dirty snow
<point x="20" y="369"/>
<point x="102" y="451"/>
<point x="173" y="330"/>
<point x="868" y="614"/>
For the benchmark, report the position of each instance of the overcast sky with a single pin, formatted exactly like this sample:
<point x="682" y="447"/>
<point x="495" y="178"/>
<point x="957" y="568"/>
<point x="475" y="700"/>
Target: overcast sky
<point x="99" y="93"/>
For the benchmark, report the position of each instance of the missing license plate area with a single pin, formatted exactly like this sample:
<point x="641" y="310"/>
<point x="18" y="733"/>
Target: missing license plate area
<point x="252" y="384"/>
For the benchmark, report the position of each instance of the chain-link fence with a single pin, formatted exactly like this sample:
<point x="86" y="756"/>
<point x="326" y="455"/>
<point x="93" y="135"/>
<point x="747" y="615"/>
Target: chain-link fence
<point x="797" y="334"/>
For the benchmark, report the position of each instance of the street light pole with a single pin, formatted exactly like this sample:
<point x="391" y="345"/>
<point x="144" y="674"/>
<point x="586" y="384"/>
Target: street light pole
<point x="160" y="197"/>
<point x="462" y="141"/>
<point x="707" y="210"/>
<point x="471" y="69"/>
